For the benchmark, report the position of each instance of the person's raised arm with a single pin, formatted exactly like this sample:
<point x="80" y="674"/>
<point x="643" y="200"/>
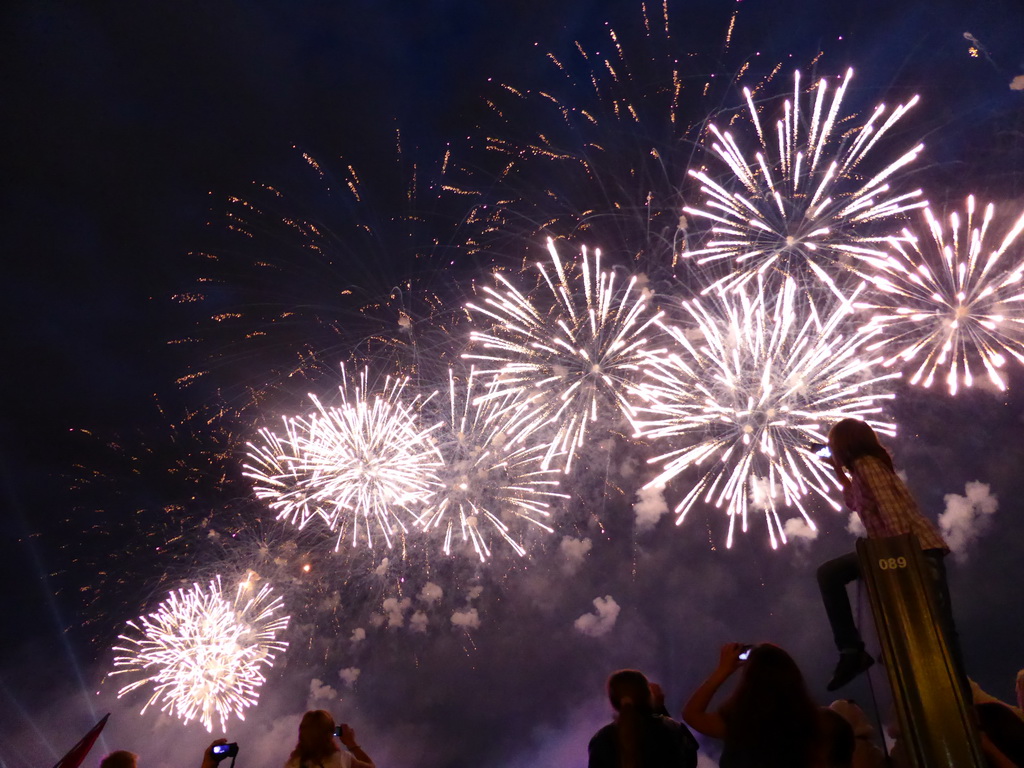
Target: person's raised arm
<point x="348" y="738"/>
<point x="695" y="713"/>
<point x="844" y="479"/>
<point x="208" y="759"/>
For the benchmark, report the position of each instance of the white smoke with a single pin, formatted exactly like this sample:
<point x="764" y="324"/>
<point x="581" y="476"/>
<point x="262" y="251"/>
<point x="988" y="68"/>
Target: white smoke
<point x="649" y="507"/>
<point x="358" y="635"/>
<point x="349" y="675"/>
<point x="628" y="467"/>
<point x="602" y="620"/>
<point x="574" y="552"/>
<point x="468" y="619"/>
<point x="798" y="528"/>
<point x="474" y="592"/>
<point x="967" y="517"/>
<point x="395" y="610"/>
<point x="418" y="622"/>
<point x="1017" y="84"/>
<point x="856" y="526"/>
<point x="761" y="492"/>
<point x="382" y="569"/>
<point x="431" y="593"/>
<point x="320" y="690"/>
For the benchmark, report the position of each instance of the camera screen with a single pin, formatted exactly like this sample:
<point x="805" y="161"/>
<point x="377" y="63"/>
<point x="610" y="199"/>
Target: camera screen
<point x="220" y="749"/>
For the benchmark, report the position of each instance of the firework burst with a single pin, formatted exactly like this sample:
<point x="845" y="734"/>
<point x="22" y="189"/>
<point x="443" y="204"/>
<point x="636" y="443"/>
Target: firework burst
<point x="948" y="300"/>
<point x="203" y="654"/>
<point x="560" y="364"/>
<point x="484" y="484"/>
<point x="755" y="379"/>
<point x="361" y="466"/>
<point x="598" y="152"/>
<point x="807" y="207"/>
<point x="330" y="260"/>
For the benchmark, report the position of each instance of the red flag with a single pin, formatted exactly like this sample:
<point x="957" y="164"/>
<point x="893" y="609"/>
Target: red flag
<point x="77" y="753"/>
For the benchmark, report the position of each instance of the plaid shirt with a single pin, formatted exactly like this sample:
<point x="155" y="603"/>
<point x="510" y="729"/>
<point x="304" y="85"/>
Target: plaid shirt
<point x="885" y="505"/>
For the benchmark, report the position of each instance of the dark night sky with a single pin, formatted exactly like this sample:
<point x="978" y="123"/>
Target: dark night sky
<point x="126" y="127"/>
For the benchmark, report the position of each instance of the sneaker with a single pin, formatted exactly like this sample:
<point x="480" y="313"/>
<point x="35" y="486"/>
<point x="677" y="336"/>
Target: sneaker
<point x="851" y="664"/>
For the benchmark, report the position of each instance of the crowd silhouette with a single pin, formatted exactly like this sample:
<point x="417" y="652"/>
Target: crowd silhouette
<point x="769" y="719"/>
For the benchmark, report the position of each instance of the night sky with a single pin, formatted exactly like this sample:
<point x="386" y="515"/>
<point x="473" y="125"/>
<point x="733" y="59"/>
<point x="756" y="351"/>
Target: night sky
<point x="127" y="132"/>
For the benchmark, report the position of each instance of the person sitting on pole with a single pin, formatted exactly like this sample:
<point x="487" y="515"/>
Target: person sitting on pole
<point x="872" y="489"/>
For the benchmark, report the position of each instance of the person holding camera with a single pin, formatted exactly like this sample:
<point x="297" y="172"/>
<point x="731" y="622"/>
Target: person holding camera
<point x="770" y="720"/>
<point x="317" y="747"/>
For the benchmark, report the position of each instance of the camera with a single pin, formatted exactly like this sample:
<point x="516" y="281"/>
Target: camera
<point x="745" y="653"/>
<point x="821" y="450"/>
<point x="337" y="731"/>
<point x="222" y="751"/>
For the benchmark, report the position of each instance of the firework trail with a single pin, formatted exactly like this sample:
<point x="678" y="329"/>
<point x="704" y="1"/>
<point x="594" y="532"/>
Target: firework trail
<point x="202" y="653"/>
<point x="328" y="263"/>
<point x="804" y="207"/>
<point x="356" y="466"/>
<point x="754" y="379"/>
<point x="484" y="483"/>
<point x="948" y="299"/>
<point x="599" y="153"/>
<point x="560" y="364"/>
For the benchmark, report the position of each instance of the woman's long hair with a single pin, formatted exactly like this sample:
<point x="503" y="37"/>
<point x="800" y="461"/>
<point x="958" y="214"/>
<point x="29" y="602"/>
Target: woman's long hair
<point x="771" y="714"/>
<point x="316" y="738"/>
<point x="852" y="438"/>
<point x="630" y="695"/>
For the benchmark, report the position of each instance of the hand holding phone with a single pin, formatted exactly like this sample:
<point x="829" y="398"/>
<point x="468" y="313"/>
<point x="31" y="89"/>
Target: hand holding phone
<point x="223" y="751"/>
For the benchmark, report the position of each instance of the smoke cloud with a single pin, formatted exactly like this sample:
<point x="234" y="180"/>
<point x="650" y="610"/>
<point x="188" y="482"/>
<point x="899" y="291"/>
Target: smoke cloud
<point x="574" y="552"/>
<point x="649" y="507"/>
<point x="349" y="675"/>
<point x="320" y="690"/>
<point x="796" y="528"/>
<point x="395" y="610"/>
<point x="431" y="593"/>
<point x="418" y="622"/>
<point x="967" y="517"/>
<point x="602" y="621"/>
<point x="762" y="494"/>
<point x="855" y="525"/>
<point x="468" y="619"/>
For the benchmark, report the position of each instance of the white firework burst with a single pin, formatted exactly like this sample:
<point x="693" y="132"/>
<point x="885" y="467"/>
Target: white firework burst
<point x="562" y="362"/>
<point x="486" y="484"/>
<point x="948" y="301"/>
<point x="362" y="466"/>
<point x="755" y="379"/>
<point x="202" y="653"/>
<point x="804" y="207"/>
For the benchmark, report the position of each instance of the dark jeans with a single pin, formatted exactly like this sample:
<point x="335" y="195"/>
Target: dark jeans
<point x="833" y="577"/>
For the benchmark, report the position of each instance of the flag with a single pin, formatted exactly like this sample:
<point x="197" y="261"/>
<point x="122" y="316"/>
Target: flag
<point x="77" y="753"/>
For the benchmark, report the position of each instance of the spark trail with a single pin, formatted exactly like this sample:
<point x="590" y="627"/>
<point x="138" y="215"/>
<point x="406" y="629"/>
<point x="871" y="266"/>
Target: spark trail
<point x="361" y="467"/>
<point x="948" y="301"/>
<point x="204" y="653"/>
<point x="754" y="378"/>
<point x="486" y="484"/>
<point x="810" y="205"/>
<point x="560" y="361"/>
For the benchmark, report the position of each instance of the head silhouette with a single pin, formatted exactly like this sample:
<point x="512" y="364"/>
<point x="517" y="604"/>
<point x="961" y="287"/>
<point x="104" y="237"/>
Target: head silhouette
<point x="771" y="713"/>
<point x="629" y="689"/>
<point x="850" y="439"/>
<point x="316" y="736"/>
